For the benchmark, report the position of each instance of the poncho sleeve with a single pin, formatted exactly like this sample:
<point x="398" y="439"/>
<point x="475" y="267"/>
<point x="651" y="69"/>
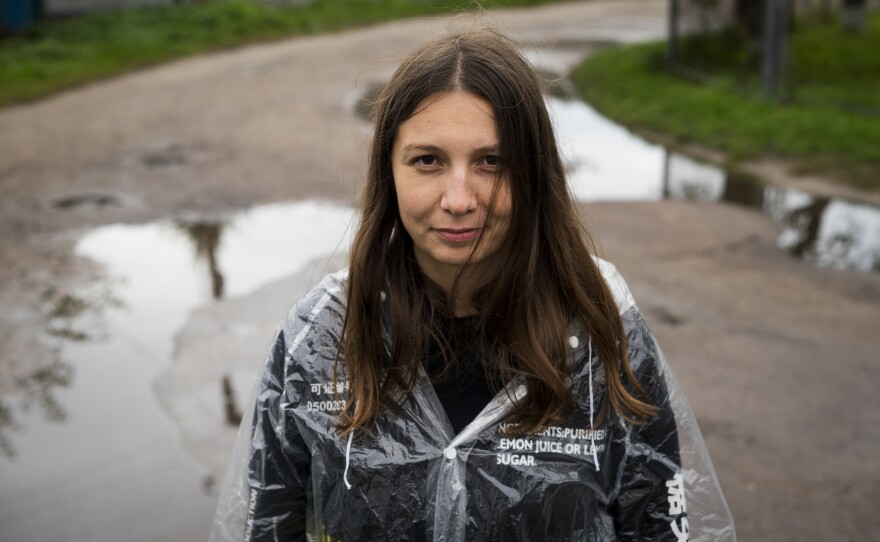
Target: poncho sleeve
<point x="668" y="488"/>
<point x="267" y="490"/>
<point x="650" y="504"/>
<point x="278" y="468"/>
<point x="264" y="494"/>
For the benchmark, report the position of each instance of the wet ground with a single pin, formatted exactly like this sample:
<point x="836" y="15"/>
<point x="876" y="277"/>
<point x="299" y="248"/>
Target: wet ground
<point x="156" y="226"/>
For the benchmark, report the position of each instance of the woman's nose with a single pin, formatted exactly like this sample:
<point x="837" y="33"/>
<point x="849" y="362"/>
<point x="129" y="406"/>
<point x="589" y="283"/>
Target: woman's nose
<point x="459" y="196"/>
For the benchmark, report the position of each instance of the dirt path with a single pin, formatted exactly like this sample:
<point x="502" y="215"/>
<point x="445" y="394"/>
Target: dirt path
<point x="779" y="359"/>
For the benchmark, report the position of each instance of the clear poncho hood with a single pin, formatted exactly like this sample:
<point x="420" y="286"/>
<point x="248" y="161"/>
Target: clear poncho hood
<point x="292" y="477"/>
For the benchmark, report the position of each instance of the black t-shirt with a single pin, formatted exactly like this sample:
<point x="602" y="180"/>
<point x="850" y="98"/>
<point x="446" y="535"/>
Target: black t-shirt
<point x="464" y="390"/>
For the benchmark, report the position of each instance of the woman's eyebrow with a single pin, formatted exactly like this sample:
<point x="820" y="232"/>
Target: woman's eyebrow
<point x="425" y="147"/>
<point x="422" y="147"/>
<point x="488" y="149"/>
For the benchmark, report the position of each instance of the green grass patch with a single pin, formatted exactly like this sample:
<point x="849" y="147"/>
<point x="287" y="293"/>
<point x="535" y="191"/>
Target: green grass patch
<point x="59" y="54"/>
<point x="828" y="121"/>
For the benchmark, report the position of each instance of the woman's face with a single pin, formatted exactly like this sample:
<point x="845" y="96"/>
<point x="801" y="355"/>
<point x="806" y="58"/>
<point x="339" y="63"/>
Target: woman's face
<point x="446" y="162"/>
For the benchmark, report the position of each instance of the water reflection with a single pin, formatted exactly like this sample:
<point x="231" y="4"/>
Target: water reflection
<point x="688" y="179"/>
<point x="119" y="463"/>
<point x="829" y="232"/>
<point x="233" y="414"/>
<point x="607" y="162"/>
<point x="205" y="237"/>
<point x="38" y="390"/>
<point x="71" y="317"/>
<point x="7" y="422"/>
<point x="604" y="161"/>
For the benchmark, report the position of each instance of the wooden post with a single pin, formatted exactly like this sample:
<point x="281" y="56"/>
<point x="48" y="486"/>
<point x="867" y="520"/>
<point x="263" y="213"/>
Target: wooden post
<point x="774" y="46"/>
<point x="672" y="38"/>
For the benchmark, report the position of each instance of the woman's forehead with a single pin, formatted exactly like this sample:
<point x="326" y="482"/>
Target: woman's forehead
<point x="449" y="117"/>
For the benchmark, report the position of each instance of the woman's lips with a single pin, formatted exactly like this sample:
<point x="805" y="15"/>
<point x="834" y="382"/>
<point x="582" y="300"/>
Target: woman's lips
<point x="458" y="235"/>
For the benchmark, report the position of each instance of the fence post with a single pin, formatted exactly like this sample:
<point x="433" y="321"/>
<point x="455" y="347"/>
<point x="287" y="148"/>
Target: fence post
<point x="672" y="38"/>
<point x="774" y="46"/>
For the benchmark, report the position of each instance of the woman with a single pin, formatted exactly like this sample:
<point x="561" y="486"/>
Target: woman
<point x="475" y="374"/>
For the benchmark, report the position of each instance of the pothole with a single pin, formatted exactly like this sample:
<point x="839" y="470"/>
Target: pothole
<point x="167" y="156"/>
<point x="88" y="201"/>
<point x="666" y="316"/>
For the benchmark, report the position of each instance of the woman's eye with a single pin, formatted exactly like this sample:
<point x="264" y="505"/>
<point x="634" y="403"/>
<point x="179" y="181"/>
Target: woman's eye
<point x="427" y="160"/>
<point x="491" y="160"/>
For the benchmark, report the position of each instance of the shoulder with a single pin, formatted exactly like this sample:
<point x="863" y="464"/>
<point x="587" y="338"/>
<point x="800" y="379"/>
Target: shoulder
<point x="307" y="338"/>
<point x="329" y="293"/>
<point x="616" y="284"/>
<point x="641" y="343"/>
<point x="321" y="310"/>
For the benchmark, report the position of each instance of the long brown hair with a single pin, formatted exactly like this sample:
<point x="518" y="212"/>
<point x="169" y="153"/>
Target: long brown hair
<point x="547" y="280"/>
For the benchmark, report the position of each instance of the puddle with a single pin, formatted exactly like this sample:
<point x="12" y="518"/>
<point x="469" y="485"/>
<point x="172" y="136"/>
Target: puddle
<point x="607" y="162"/>
<point x="832" y="233"/>
<point x="112" y="460"/>
<point x="87" y="201"/>
<point x="170" y="155"/>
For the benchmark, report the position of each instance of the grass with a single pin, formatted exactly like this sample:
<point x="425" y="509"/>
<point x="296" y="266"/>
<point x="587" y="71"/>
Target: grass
<point x="828" y="120"/>
<point x="59" y="54"/>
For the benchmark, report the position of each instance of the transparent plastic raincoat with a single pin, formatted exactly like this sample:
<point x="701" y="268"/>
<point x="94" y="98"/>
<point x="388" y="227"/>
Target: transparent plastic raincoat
<point x="293" y="478"/>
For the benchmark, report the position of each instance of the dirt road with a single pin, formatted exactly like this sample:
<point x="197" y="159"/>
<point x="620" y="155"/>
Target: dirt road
<point x="779" y="359"/>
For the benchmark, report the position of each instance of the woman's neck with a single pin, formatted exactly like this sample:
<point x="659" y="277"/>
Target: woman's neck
<point x="462" y="282"/>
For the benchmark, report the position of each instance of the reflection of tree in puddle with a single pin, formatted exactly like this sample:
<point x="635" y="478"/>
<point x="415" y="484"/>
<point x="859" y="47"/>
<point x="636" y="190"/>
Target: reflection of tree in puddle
<point x="38" y="388"/>
<point x="684" y="178"/>
<point x="801" y="217"/>
<point x="233" y="414"/>
<point x="69" y="317"/>
<point x="830" y="233"/>
<point x="205" y="237"/>
<point x="807" y="220"/>
<point x="7" y="421"/>
<point x="842" y="242"/>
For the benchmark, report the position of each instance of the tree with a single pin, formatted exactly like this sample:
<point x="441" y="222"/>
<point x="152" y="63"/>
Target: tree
<point x="853" y="15"/>
<point x="749" y="16"/>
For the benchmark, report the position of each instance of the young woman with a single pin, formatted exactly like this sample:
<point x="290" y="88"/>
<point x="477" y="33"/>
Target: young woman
<point x="475" y="373"/>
